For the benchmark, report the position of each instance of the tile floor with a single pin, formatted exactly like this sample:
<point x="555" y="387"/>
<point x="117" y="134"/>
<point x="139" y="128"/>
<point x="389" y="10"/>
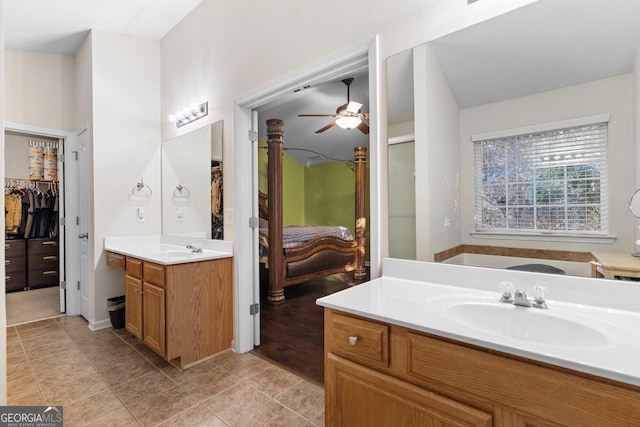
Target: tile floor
<point x="109" y="378"/>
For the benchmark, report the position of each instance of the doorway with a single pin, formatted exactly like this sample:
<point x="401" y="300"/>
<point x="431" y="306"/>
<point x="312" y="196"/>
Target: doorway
<point x="36" y="239"/>
<point x="246" y="247"/>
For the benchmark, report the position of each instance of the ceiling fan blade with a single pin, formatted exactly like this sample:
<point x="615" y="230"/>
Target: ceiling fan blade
<point x="364" y="128"/>
<point x="354" y="107"/>
<point x="327" y="127"/>
<point x="316" y="115"/>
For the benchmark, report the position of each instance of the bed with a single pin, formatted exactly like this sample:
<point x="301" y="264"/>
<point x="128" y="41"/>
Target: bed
<point x="293" y="255"/>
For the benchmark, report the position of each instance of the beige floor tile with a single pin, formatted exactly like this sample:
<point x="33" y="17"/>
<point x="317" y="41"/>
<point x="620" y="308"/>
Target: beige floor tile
<point x="34" y="399"/>
<point x="162" y="406"/>
<point x="31" y="333"/>
<point x="40" y="325"/>
<point x="17" y="370"/>
<point x="105" y="360"/>
<point x="225" y="357"/>
<point x="274" y="380"/>
<point x="231" y="404"/>
<point x="246" y="365"/>
<point x="272" y="414"/>
<point x="130" y="392"/>
<point x="127" y="371"/>
<point x="122" y="418"/>
<point x="66" y="357"/>
<point x="50" y="350"/>
<point x="66" y="322"/>
<point x="44" y="340"/>
<point x="199" y="416"/>
<point x="14" y="347"/>
<point x="209" y="384"/>
<point x="91" y="409"/>
<point x="65" y="373"/>
<point x="304" y="398"/>
<point x="185" y="375"/>
<point x="17" y="358"/>
<point x="68" y="392"/>
<point x="22" y="386"/>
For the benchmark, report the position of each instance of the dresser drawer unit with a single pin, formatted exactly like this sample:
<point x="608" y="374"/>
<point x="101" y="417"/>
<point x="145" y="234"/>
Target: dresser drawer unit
<point x="15" y="281"/>
<point x="15" y="263"/>
<point x="14" y="248"/>
<point x="42" y="247"/>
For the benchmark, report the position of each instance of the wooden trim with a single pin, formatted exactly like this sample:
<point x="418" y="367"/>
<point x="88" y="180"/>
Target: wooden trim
<point x="275" y="134"/>
<point x="360" y="272"/>
<point x="550" y="254"/>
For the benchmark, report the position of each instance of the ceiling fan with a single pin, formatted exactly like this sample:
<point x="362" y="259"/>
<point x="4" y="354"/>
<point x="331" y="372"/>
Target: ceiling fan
<point x="348" y="116"/>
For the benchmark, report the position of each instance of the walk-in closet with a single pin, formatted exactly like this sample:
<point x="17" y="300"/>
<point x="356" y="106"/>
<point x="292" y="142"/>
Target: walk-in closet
<point x="33" y="202"/>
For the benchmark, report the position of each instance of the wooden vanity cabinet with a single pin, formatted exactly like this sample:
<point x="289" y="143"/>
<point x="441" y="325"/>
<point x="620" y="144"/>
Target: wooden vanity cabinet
<point x="432" y="381"/>
<point x="183" y="312"/>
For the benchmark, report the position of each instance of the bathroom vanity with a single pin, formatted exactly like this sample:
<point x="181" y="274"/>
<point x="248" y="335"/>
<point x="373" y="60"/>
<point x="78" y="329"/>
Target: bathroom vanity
<point x="177" y="301"/>
<point x="414" y="348"/>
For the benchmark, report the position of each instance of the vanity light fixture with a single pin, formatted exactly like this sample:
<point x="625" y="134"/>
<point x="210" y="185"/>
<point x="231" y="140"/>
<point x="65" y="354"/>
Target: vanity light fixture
<point x="190" y="114"/>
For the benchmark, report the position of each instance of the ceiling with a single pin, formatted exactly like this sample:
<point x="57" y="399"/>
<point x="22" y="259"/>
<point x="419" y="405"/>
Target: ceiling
<point x="60" y="26"/>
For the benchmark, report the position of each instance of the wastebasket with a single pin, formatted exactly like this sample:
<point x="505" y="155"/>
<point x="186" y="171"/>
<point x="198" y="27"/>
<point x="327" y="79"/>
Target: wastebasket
<point x="115" y="306"/>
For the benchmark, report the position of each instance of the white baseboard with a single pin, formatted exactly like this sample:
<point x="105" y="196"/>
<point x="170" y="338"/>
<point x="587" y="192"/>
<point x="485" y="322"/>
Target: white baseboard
<point x="103" y="324"/>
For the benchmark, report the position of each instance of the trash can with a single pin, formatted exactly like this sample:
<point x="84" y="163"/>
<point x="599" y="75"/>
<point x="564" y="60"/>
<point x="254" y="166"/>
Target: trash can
<point x="115" y="306"/>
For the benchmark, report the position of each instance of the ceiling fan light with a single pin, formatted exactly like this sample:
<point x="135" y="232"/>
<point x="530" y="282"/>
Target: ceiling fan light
<point x="348" y="122"/>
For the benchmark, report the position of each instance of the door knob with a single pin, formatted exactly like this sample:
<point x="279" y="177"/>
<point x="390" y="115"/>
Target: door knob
<point x="83" y="235"/>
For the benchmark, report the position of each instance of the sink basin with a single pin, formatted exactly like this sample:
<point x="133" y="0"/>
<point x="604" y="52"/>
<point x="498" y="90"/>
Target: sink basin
<point x="178" y="254"/>
<point x="548" y="327"/>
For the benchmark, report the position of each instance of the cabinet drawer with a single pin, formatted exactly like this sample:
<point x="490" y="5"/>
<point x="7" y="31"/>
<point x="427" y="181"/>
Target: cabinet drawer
<point x="153" y="273"/>
<point x="12" y="264"/>
<point x="134" y="267"/>
<point x="359" y="340"/>
<point x="115" y="260"/>
<point x="43" y="262"/>
<point x="42" y="247"/>
<point x="14" y="247"/>
<point x="42" y="277"/>
<point x="15" y="280"/>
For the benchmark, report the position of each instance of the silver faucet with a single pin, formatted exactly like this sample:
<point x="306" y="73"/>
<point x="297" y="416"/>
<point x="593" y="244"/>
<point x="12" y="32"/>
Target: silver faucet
<point x="196" y="248"/>
<point x="519" y="298"/>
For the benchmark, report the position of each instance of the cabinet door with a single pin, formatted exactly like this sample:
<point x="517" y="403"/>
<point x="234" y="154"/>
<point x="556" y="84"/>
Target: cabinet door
<point x="133" y="305"/>
<point x="154" y="318"/>
<point x="359" y="396"/>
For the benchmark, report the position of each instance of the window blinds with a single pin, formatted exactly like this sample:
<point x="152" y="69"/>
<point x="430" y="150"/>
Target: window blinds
<point x="549" y="181"/>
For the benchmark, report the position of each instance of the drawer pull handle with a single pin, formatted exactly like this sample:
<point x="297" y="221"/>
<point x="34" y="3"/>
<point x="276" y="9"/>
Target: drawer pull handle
<point x="50" y="243"/>
<point x="49" y="258"/>
<point x="7" y="246"/>
<point x="7" y="261"/>
<point x="353" y="340"/>
<point x="7" y="278"/>
<point x="49" y="273"/>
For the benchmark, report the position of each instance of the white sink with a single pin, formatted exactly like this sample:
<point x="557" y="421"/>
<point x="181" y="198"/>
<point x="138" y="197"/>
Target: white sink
<point x="549" y="327"/>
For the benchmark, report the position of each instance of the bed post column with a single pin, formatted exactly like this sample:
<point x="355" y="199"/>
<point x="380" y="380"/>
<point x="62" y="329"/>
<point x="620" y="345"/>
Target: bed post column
<point x="360" y="272"/>
<point x="275" y="133"/>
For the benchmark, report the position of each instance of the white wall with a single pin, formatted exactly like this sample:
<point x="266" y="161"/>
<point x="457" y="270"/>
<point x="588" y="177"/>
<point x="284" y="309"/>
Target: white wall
<point x="613" y="95"/>
<point x="126" y="146"/>
<point x="42" y="89"/>
<point x="3" y="311"/>
<point x="222" y="50"/>
<point x="437" y="157"/>
<point x="636" y="117"/>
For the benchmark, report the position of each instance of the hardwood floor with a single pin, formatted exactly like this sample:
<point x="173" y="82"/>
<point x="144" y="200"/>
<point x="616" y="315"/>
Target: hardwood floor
<point x="292" y="334"/>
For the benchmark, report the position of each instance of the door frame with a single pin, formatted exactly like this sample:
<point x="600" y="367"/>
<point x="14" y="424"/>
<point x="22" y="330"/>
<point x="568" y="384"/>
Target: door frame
<point x="246" y="191"/>
<point x="72" y="300"/>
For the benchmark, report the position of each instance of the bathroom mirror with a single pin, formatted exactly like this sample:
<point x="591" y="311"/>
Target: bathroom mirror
<point x="634" y="203"/>
<point x="504" y="74"/>
<point x="192" y="183"/>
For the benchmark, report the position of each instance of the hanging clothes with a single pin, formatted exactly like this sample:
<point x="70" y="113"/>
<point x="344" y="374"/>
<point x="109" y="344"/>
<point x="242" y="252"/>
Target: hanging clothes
<point x="13" y="213"/>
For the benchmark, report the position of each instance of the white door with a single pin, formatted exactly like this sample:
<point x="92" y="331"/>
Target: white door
<point x="255" y="231"/>
<point x="83" y="222"/>
<point x="61" y="227"/>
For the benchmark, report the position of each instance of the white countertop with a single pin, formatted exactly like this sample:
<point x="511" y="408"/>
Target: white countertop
<point x="168" y="249"/>
<point x="607" y="341"/>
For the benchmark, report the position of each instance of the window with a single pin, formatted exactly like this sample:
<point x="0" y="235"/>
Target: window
<point x="549" y="181"/>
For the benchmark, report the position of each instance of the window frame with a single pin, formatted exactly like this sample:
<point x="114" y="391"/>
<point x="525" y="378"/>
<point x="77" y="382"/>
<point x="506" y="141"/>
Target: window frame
<point x="532" y="234"/>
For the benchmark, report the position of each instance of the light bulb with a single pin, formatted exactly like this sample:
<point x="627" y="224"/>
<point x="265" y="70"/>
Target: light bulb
<point x="348" y="122"/>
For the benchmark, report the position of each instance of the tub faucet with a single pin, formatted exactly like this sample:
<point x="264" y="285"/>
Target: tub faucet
<point x="196" y="248"/>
